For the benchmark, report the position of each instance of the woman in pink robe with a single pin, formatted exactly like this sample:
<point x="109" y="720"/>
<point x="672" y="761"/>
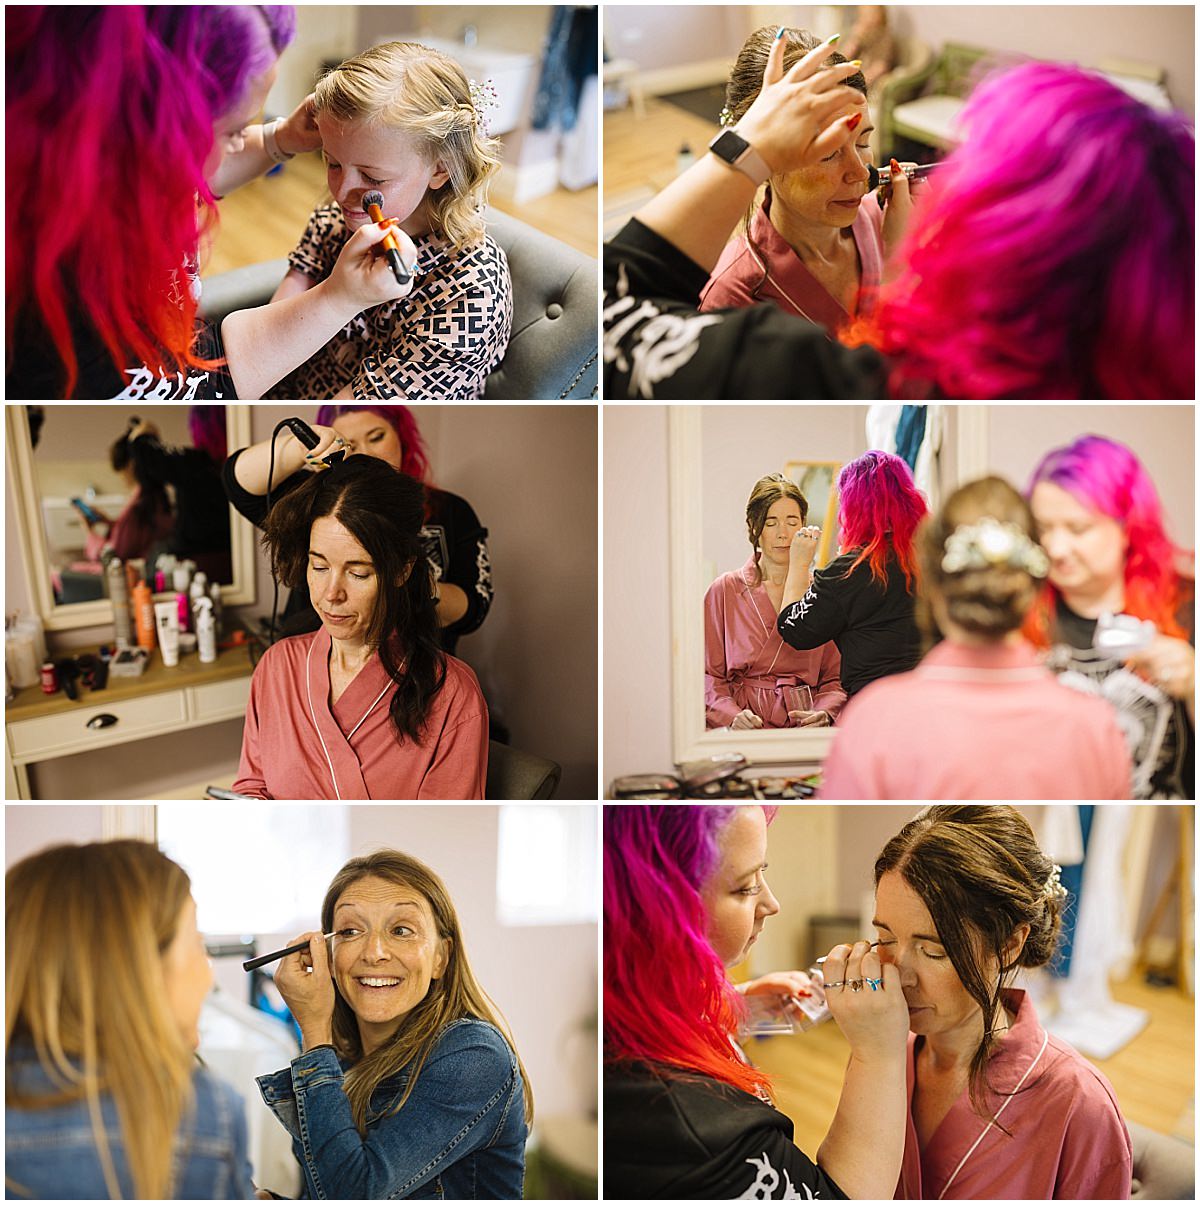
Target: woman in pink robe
<point x="981" y="717"/>
<point x="369" y="706"/>
<point x="747" y="666"/>
<point x="998" y="1109"/>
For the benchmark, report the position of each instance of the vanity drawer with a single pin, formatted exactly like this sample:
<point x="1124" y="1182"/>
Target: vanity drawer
<point x="58" y="735"/>
<point x="220" y="700"/>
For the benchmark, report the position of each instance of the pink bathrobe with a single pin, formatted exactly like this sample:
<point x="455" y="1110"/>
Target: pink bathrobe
<point x="296" y="747"/>
<point x="737" y="280"/>
<point x="977" y="723"/>
<point x="1069" y="1141"/>
<point x="746" y="664"/>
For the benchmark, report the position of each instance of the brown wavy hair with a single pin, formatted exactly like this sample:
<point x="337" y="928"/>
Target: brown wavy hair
<point x="766" y="492"/>
<point x="409" y="87"/>
<point x="85" y="930"/>
<point x="979" y="871"/>
<point x="452" y="997"/>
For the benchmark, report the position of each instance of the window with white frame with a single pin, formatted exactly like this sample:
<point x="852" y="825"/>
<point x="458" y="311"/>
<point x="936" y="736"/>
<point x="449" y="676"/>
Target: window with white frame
<point x="547" y="872"/>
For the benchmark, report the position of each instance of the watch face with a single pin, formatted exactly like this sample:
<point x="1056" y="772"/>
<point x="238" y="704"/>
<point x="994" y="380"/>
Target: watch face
<point x="728" y="145"/>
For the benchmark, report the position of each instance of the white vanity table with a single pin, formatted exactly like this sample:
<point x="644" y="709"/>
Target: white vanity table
<point x="39" y="727"/>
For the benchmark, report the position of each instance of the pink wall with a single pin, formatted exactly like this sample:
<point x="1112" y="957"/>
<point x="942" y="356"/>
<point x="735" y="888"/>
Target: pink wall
<point x="637" y="614"/>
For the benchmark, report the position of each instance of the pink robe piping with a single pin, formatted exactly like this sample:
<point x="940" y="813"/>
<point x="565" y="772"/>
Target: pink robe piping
<point x="976" y="723"/>
<point x="746" y="664"/>
<point x="285" y="755"/>
<point x="1069" y="1140"/>
<point x="791" y="285"/>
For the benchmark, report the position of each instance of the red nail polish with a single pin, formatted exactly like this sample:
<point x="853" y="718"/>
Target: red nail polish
<point x="853" y="123"/>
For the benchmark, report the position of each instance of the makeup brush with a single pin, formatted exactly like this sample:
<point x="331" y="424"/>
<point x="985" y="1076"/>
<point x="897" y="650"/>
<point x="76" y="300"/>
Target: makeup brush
<point x="372" y="202"/>
<point x="263" y="959"/>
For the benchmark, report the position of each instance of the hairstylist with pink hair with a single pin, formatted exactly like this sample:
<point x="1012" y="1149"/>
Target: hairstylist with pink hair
<point x="863" y="600"/>
<point x="124" y="125"/>
<point x="454" y="540"/>
<point x="686" y="1114"/>
<point x="1027" y="275"/>
<point x="1101" y="523"/>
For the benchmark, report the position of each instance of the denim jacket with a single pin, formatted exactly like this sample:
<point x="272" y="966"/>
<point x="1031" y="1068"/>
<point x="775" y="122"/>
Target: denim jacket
<point x="52" y="1153"/>
<point x="460" y="1135"/>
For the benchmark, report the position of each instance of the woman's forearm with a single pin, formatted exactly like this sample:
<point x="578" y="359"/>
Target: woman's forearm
<point x="266" y="343"/>
<point x="864" y="1147"/>
<point x="253" y="466"/>
<point x="698" y="210"/>
<point x="796" y="584"/>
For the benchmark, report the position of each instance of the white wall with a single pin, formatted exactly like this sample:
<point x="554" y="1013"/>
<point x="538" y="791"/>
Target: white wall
<point x="30" y="828"/>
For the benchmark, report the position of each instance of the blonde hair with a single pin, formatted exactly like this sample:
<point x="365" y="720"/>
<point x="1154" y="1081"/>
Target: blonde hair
<point x="409" y="87"/>
<point x="452" y="997"/>
<point x="86" y="927"/>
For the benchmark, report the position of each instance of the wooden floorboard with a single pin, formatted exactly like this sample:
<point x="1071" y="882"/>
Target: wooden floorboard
<point x="1153" y="1076"/>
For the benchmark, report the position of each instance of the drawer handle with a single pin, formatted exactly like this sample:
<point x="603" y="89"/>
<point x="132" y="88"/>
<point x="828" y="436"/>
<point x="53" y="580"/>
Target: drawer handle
<point x="104" y="720"/>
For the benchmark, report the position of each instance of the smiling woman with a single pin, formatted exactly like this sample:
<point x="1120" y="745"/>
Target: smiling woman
<point x="409" y="1084"/>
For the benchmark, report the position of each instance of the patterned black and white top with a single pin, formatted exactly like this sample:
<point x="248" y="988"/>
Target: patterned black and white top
<point x="437" y="344"/>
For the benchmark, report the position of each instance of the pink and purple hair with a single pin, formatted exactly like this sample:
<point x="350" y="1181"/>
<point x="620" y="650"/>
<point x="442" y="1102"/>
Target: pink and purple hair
<point x="879" y="509"/>
<point x="1108" y="478"/>
<point x="413" y="458"/>
<point x="110" y="114"/>
<point x="206" y="426"/>
<point x="1055" y="256"/>
<point x="667" y="997"/>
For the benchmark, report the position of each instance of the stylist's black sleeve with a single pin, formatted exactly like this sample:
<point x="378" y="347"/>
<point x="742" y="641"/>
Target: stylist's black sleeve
<point x="820" y="616"/>
<point x="457" y="544"/>
<point x="657" y="345"/>
<point x="253" y="506"/>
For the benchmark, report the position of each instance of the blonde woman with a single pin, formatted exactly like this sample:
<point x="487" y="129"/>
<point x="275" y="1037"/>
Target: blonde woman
<point x="408" y="1084"/>
<point x="403" y="120"/>
<point x="105" y="975"/>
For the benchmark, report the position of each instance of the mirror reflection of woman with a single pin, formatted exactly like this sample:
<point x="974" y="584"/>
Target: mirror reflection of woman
<point x="863" y="600"/>
<point x="981" y="717"/>
<point x="1101" y="523"/>
<point x="748" y="669"/>
<point x="409" y="1084"/>
<point x="998" y="1108"/>
<point x="105" y="977"/>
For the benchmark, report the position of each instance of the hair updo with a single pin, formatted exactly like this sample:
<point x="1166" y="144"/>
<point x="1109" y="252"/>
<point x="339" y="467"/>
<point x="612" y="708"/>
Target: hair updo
<point x="988" y="602"/>
<point x="979" y="871"/>
<point x="766" y="492"/>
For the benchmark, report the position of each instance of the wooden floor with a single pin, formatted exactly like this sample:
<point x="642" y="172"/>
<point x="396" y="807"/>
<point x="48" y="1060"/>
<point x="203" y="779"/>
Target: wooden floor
<point x="641" y="155"/>
<point x="1152" y="1076"/>
<point x="264" y="219"/>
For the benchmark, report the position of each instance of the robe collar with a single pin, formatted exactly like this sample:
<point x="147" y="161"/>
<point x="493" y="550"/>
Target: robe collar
<point x="1018" y="662"/>
<point x="1020" y="1061"/>
<point x="336" y="729"/>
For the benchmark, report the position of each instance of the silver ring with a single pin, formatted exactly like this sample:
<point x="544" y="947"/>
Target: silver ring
<point x="341" y="443"/>
<point x="874" y="984"/>
<point x="841" y="984"/>
<point x="855" y="984"/>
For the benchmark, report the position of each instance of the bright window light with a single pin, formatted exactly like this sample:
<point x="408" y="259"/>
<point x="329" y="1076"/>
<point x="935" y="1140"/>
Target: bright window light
<point x="547" y="873"/>
<point x="262" y="869"/>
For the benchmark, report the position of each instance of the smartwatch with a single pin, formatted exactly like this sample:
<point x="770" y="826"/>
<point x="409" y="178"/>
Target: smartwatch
<point x="737" y="152"/>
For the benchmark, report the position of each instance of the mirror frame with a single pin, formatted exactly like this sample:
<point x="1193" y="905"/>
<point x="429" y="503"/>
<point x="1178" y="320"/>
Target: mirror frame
<point x="691" y="740"/>
<point x="58" y="617"/>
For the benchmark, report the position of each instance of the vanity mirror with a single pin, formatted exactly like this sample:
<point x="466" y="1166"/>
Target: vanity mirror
<point x="716" y="454"/>
<point x="69" y="497"/>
